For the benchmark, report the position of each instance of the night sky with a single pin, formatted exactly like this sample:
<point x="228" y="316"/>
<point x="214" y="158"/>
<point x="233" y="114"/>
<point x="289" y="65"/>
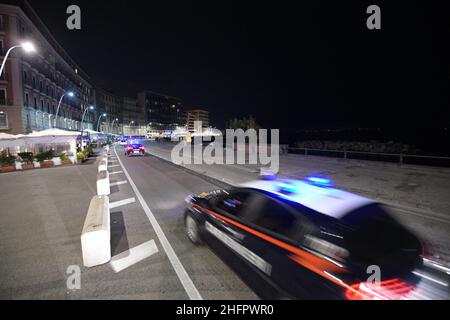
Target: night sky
<point x="292" y="64"/>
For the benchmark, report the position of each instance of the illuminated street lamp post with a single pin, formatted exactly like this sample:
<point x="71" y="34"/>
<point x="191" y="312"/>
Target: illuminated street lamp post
<point x="28" y="47"/>
<point x="82" y="118"/>
<point x="70" y="94"/>
<point x="131" y="122"/>
<point x="112" y="124"/>
<point x="98" y="121"/>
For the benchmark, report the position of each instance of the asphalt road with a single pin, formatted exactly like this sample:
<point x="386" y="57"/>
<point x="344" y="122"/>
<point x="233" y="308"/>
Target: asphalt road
<point x="164" y="187"/>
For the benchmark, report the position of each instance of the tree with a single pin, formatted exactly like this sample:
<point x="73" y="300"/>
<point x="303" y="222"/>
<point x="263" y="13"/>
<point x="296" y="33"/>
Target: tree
<point x="244" y="123"/>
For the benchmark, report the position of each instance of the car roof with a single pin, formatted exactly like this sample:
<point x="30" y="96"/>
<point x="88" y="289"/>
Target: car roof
<point x="326" y="200"/>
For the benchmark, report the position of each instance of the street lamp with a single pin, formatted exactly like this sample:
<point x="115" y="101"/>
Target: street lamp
<point x="131" y="122"/>
<point x="112" y="124"/>
<point x="98" y="121"/>
<point x="82" y="118"/>
<point x="28" y="47"/>
<point x="70" y="94"/>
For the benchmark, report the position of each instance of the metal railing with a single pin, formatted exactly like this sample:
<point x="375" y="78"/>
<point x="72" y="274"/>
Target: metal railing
<point x="374" y="156"/>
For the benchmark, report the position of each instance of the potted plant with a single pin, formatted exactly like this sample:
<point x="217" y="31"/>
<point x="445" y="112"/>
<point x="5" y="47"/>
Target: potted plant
<point x="44" y="159"/>
<point x="80" y="157"/>
<point x="27" y="160"/>
<point x="65" y="159"/>
<point x="7" y="162"/>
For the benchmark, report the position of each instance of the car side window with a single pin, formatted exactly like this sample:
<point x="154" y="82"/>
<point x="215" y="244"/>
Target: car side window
<point x="275" y="217"/>
<point x="234" y="203"/>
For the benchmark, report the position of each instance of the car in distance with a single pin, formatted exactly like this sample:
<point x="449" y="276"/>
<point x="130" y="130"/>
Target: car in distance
<point x="123" y="141"/>
<point x="307" y="239"/>
<point x="134" y="149"/>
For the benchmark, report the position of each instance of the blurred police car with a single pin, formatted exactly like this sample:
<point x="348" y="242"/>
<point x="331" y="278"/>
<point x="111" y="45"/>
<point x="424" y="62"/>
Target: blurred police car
<point x="308" y="239"/>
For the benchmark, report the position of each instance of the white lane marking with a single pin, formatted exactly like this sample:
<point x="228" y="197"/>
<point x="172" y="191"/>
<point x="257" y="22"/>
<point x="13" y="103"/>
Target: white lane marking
<point x="430" y="278"/>
<point x="115" y="172"/>
<point x="132" y="256"/>
<point x="185" y="280"/>
<point x="114" y="165"/>
<point x="112" y="184"/>
<point x="120" y="203"/>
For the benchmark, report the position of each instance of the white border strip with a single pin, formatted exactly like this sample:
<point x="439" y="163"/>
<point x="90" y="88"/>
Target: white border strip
<point x="112" y="184"/>
<point x="186" y="281"/>
<point x="113" y="205"/>
<point x="132" y="256"/>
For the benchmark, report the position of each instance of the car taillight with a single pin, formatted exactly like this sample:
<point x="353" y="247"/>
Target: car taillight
<point x="393" y="289"/>
<point x="130" y="148"/>
<point x="141" y="148"/>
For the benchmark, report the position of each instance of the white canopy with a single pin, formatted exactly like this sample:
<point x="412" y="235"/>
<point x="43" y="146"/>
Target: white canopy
<point x="6" y="136"/>
<point x="52" y="133"/>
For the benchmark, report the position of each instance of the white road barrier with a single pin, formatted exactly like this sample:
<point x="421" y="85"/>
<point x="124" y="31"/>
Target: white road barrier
<point x="103" y="186"/>
<point x="103" y="165"/>
<point x="96" y="234"/>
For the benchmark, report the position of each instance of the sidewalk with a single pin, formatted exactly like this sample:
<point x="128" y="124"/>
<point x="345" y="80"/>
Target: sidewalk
<point x="40" y="236"/>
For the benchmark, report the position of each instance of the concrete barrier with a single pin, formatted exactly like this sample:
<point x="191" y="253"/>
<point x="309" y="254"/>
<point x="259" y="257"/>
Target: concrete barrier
<point x="103" y="165"/>
<point x="96" y="234"/>
<point x="103" y="188"/>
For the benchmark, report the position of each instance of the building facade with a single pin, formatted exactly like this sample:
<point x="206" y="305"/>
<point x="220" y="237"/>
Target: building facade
<point x="197" y="115"/>
<point x="161" y="112"/>
<point x="132" y="113"/>
<point x="32" y="84"/>
<point x="108" y="103"/>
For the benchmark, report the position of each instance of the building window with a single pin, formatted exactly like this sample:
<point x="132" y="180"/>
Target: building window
<point x="2" y="52"/>
<point x="3" y="97"/>
<point x="42" y="105"/>
<point x="25" y="77"/>
<point x="3" y="120"/>
<point x="35" y="102"/>
<point x="34" y="82"/>
<point x="27" y="100"/>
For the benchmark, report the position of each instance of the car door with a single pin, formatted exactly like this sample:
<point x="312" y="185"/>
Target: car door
<point x="224" y="223"/>
<point x="277" y="230"/>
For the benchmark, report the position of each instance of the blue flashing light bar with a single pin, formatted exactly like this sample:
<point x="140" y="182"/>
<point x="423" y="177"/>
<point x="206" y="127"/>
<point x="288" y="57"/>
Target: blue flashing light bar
<point x="320" y="182"/>
<point x="286" y="188"/>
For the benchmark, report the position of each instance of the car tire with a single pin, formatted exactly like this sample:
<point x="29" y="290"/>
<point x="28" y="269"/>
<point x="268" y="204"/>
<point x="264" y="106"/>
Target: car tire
<point x="193" y="230"/>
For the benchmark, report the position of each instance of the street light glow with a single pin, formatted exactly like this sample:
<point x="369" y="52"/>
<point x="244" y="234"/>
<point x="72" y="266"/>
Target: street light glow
<point x="71" y="94"/>
<point x="28" y="47"/>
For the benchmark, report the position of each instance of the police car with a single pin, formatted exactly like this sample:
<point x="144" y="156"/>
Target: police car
<point x="134" y="148"/>
<point x="309" y="240"/>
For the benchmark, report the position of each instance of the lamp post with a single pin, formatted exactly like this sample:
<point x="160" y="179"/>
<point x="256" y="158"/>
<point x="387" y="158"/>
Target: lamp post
<point x="131" y="122"/>
<point x="70" y="94"/>
<point x="28" y="47"/>
<point x="112" y="124"/>
<point x="98" y="121"/>
<point x="82" y="118"/>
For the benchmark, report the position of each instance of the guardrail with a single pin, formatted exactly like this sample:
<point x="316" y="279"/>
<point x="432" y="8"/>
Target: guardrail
<point x="374" y="156"/>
